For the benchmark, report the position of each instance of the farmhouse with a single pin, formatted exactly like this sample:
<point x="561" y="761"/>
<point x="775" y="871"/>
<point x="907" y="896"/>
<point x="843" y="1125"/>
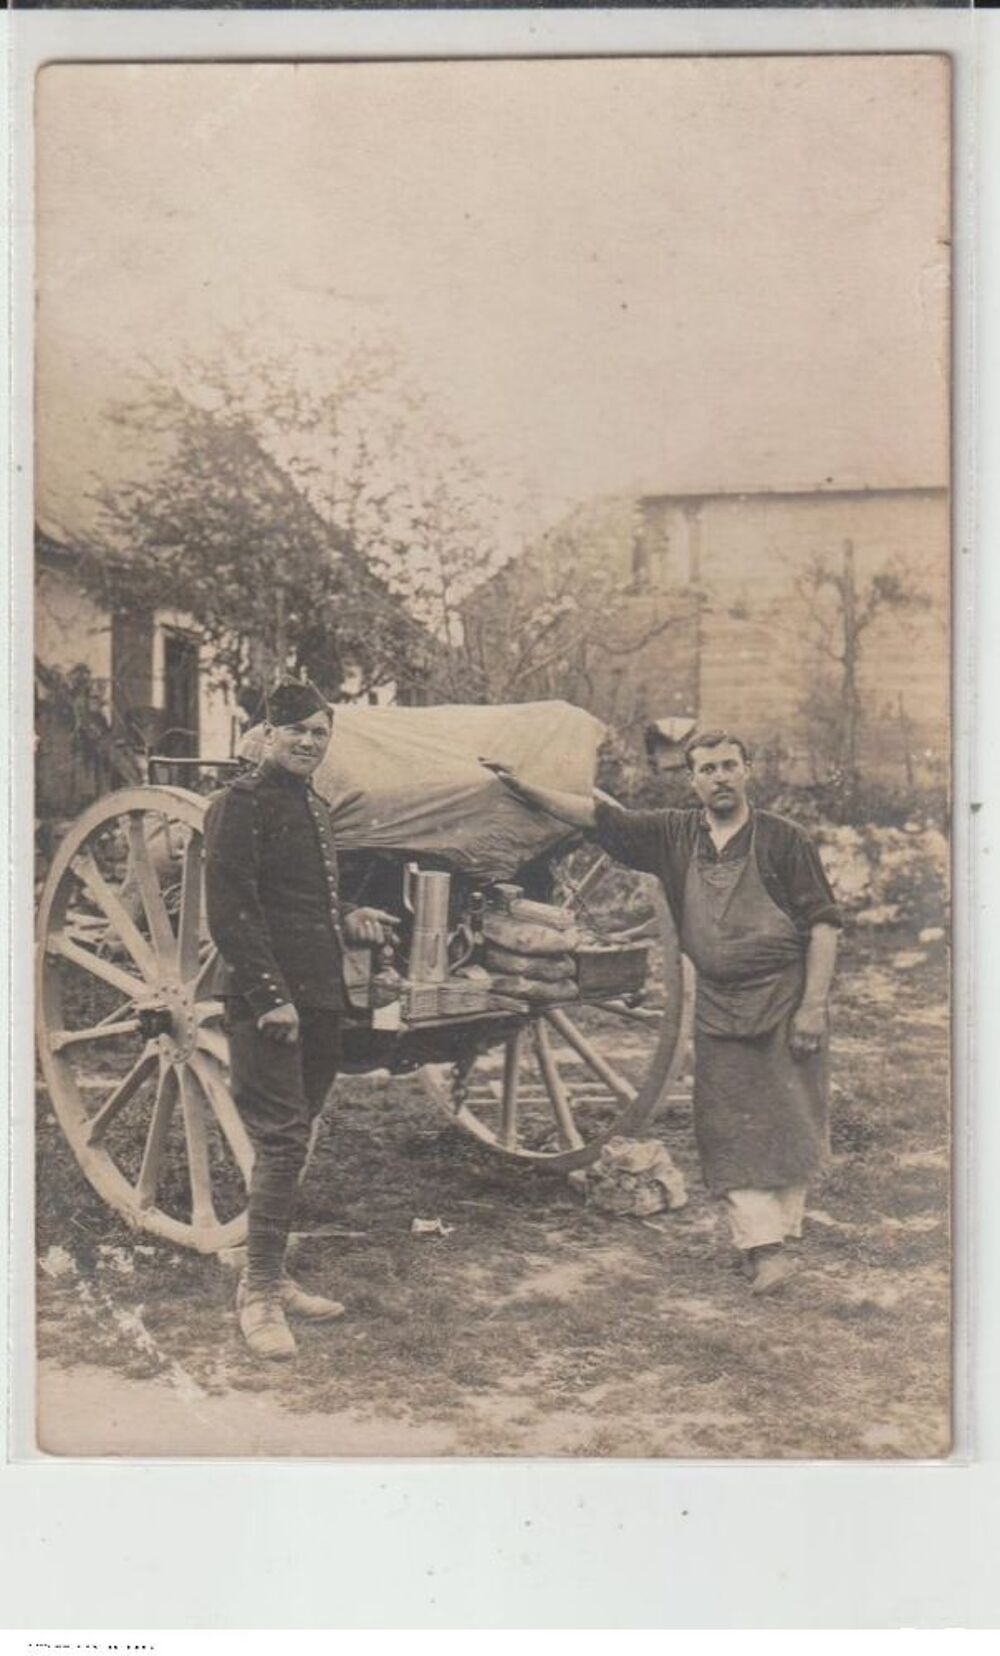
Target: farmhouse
<point x="111" y="685"/>
<point x="115" y="683"/>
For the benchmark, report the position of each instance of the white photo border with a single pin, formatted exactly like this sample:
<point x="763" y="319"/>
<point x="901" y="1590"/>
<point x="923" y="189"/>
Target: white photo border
<point x="542" y="1543"/>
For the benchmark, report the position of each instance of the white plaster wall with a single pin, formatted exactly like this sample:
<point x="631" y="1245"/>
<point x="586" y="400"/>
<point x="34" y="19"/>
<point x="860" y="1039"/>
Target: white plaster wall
<point x="221" y="720"/>
<point x="71" y="630"/>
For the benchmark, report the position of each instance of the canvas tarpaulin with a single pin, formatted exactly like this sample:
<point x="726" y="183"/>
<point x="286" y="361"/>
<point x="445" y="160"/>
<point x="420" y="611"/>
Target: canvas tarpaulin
<point x="410" y="779"/>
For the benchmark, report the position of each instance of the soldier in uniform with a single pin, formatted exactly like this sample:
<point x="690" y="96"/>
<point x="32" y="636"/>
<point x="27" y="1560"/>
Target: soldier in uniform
<point x="275" y="914"/>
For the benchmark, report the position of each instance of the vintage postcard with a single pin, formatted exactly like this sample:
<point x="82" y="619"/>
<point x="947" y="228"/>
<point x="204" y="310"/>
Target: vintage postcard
<point x="492" y="771"/>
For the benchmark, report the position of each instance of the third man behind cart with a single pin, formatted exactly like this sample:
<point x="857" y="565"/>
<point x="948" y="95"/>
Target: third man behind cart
<point x="756" y="916"/>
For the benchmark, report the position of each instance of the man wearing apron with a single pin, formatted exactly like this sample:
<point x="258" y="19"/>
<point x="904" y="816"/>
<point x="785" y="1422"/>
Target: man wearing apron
<point x="756" y="916"/>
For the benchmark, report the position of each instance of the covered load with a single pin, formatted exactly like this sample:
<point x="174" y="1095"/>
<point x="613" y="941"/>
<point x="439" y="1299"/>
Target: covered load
<point x="410" y="779"/>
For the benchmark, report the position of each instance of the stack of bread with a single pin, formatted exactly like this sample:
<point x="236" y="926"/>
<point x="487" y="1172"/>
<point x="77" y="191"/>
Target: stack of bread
<point x="529" y="952"/>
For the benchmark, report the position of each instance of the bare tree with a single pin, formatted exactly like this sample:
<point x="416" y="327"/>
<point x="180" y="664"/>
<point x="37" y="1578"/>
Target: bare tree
<point x="557" y="620"/>
<point x="840" y="610"/>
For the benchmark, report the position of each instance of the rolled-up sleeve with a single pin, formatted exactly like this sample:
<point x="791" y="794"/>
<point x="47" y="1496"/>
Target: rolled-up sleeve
<point x="236" y="919"/>
<point x="809" y="890"/>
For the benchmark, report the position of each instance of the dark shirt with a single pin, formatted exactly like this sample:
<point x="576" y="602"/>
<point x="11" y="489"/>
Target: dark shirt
<point x="271" y="892"/>
<point x="663" y="843"/>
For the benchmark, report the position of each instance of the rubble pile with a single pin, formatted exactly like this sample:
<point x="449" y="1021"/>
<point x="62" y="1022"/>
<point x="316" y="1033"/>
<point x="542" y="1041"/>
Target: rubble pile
<point x="632" y="1176"/>
<point x="888" y="876"/>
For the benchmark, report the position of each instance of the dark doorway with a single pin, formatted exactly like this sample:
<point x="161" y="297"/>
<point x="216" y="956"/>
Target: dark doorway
<point x="180" y="695"/>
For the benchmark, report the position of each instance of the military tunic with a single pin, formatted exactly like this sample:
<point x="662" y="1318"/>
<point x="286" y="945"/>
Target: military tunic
<point x="274" y="909"/>
<point x="274" y="912"/>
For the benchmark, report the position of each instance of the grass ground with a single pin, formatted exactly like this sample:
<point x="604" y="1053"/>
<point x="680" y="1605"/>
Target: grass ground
<point x="539" y="1326"/>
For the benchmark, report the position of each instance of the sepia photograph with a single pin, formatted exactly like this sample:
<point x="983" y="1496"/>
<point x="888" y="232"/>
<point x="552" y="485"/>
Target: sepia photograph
<point x="492" y="758"/>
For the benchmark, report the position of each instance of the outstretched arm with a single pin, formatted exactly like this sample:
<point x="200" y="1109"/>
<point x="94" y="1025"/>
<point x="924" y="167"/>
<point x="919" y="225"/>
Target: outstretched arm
<point x="575" y="809"/>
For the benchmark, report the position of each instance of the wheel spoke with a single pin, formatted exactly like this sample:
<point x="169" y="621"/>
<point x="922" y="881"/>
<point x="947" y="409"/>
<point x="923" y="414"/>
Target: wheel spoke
<point x="156" y="1138"/>
<point x="558" y="1094"/>
<point x="87" y="927"/>
<point x="116" y="913"/>
<point x="213" y="1041"/>
<point x="110" y="1017"/>
<point x="148" y="883"/>
<point x="511" y="1080"/>
<point x="573" y="1037"/>
<point x="97" y="1032"/>
<point x="205" y="972"/>
<point x="214" y="1087"/>
<point x="123" y="981"/>
<point x="189" y="918"/>
<point x="125" y="1091"/>
<point x="196" y="1138"/>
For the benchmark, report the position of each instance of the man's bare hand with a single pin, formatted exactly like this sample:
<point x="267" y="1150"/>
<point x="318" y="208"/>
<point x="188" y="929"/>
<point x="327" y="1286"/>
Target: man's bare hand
<point x="369" y="925"/>
<point x="280" y="1024"/>
<point x="807" y="1031"/>
<point x="504" y="774"/>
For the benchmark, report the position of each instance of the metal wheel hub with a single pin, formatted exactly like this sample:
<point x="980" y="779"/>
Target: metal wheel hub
<point x="177" y="1035"/>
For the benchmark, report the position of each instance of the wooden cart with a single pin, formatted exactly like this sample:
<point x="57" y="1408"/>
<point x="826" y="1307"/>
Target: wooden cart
<point x="134" y="1054"/>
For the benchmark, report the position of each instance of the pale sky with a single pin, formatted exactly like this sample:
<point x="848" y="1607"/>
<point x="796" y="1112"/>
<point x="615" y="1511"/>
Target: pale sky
<point x="667" y="275"/>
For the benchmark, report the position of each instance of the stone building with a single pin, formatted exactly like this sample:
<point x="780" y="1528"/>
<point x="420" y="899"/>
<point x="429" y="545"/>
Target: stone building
<point x="709" y="613"/>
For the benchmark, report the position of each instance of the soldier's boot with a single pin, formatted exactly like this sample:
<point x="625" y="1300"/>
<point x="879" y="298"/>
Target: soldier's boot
<point x="261" y="1317"/>
<point x="300" y="1303"/>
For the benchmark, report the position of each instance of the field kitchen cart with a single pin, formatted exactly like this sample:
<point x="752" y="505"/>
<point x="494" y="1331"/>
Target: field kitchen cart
<point x="535" y="987"/>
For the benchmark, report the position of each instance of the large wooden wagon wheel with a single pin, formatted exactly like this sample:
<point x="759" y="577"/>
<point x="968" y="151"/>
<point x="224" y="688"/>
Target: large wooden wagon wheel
<point x="129" y="1038"/>
<point x="572" y="1077"/>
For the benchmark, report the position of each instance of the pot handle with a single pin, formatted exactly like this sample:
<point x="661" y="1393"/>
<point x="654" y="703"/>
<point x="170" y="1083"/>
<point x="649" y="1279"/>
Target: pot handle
<point x="461" y="932"/>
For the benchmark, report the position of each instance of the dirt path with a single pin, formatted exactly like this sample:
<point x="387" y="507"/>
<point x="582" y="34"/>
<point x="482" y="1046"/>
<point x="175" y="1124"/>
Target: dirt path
<point x="94" y="1411"/>
<point x="538" y="1326"/>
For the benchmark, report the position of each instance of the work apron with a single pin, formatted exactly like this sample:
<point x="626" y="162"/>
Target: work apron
<point x="760" y="1114"/>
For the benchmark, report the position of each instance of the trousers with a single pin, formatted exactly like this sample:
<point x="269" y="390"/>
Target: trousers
<point x="279" y="1090"/>
<point x="759" y="1218"/>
